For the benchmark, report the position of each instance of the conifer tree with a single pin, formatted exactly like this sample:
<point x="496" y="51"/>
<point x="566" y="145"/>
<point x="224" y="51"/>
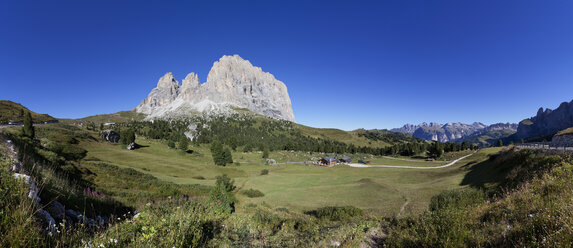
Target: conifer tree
<point x="218" y="153"/>
<point x="183" y="143"/>
<point x="28" y="128"/>
<point x="227" y="156"/>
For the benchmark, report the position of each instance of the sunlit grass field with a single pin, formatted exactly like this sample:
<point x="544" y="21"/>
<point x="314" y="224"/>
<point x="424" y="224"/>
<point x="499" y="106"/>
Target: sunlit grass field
<point x="382" y="191"/>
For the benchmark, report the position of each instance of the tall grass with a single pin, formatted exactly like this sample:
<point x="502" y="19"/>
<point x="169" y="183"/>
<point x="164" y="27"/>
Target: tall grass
<point x="531" y="207"/>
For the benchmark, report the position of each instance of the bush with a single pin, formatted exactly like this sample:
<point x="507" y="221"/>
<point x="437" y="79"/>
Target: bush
<point x="171" y="144"/>
<point x="264" y="172"/>
<point x="252" y="193"/>
<point x="221" y="196"/>
<point x="336" y="213"/>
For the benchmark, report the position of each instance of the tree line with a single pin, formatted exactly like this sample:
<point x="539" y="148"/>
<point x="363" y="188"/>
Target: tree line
<point x="260" y="134"/>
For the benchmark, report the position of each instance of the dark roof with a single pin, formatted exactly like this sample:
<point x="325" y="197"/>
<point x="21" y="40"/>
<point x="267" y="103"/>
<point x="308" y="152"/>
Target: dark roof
<point x="346" y="159"/>
<point x="330" y="159"/>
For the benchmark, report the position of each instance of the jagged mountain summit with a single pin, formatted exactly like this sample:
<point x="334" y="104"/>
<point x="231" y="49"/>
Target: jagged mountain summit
<point x="447" y="132"/>
<point x="546" y="123"/>
<point x="450" y="131"/>
<point x="231" y="83"/>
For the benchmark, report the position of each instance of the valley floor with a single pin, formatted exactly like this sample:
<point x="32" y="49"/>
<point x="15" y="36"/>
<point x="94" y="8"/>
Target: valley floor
<point x="381" y="191"/>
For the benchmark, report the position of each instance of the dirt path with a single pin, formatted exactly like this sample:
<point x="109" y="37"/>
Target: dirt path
<point x="412" y="160"/>
<point x="411" y="167"/>
<point x="402" y="208"/>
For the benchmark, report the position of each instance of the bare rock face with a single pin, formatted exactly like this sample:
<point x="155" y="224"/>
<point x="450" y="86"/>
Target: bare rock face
<point x="441" y="132"/>
<point x="546" y="123"/>
<point x="232" y="82"/>
<point x="165" y="93"/>
<point x="562" y="140"/>
<point x="110" y="136"/>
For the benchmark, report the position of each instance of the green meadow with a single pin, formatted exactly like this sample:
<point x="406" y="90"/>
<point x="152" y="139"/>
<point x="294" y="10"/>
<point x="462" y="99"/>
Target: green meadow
<point x="381" y="191"/>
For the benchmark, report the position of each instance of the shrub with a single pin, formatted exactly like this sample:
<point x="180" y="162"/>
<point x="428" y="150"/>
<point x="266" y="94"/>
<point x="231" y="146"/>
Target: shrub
<point x="336" y="213"/>
<point x="264" y="172"/>
<point x="170" y="144"/>
<point x="221" y="196"/>
<point x="252" y="193"/>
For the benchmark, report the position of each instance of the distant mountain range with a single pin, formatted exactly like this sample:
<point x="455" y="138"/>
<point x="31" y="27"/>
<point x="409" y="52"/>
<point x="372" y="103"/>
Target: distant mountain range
<point x="541" y="127"/>
<point x="453" y="132"/>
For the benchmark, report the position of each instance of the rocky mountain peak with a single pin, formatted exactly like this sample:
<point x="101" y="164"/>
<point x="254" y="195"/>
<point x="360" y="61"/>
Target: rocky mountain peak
<point x="446" y="132"/>
<point x="231" y="82"/>
<point x="546" y="122"/>
<point x="191" y="81"/>
<point x="167" y="81"/>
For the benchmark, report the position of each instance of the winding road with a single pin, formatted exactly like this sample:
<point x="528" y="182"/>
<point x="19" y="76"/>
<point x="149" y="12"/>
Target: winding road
<point x="411" y="167"/>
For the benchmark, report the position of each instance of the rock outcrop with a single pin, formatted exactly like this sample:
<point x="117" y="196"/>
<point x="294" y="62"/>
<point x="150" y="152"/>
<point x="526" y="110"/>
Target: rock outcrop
<point x="562" y="140"/>
<point x="231" y="83"/>
<point x="110" y="136"/>
<point x="407" y="128"/>
<point x="546" y="123"/>
<point x="165" y="93"/>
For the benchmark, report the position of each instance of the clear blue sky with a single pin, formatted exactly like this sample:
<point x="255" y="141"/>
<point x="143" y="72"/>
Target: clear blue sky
<point x="351" y="64"/>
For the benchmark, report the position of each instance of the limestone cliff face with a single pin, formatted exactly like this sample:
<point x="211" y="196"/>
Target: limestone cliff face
<point x="547" y="122"/>
<point x="164" y="94"/>
<point x="447" y="132"/>
<point x="232" y="82"/>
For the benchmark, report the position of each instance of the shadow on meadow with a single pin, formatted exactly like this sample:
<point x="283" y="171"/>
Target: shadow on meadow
<point x="508" y="168"/>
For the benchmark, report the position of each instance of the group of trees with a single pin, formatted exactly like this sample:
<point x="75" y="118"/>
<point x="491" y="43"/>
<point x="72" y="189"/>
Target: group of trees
<point x="127" y="137"/>
<point x="387" y="136"/>
<point x="434" y="149"/>
<point x="250" y="133"/>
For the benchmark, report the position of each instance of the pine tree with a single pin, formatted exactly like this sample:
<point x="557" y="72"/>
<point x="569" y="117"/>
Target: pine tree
<point x="266" y="153"/>
<point x="218" y="153"/>
<point x="227" y="156"/>
<point x="127" y="137"/>
<point x="233" y="143"/>
<point x="28" y="128"/>
<point x="183" y="143"/>
<point x="499" y="142"/>
<point x="221" y="196"/>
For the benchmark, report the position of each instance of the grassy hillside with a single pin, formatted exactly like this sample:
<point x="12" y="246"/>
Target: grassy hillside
<point x="356" y="137"/>
<point x="568" y="131"/>
<point x="487" y="199"/>
<point x="517" y="199"/>
<point x="289" y="206"/>
<point x="349" y="137"/>
<point x="295" y="186"/>
<point x="11" y="111"/>
<point x="489" y="138"/>
<point x="122" y="116"/>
